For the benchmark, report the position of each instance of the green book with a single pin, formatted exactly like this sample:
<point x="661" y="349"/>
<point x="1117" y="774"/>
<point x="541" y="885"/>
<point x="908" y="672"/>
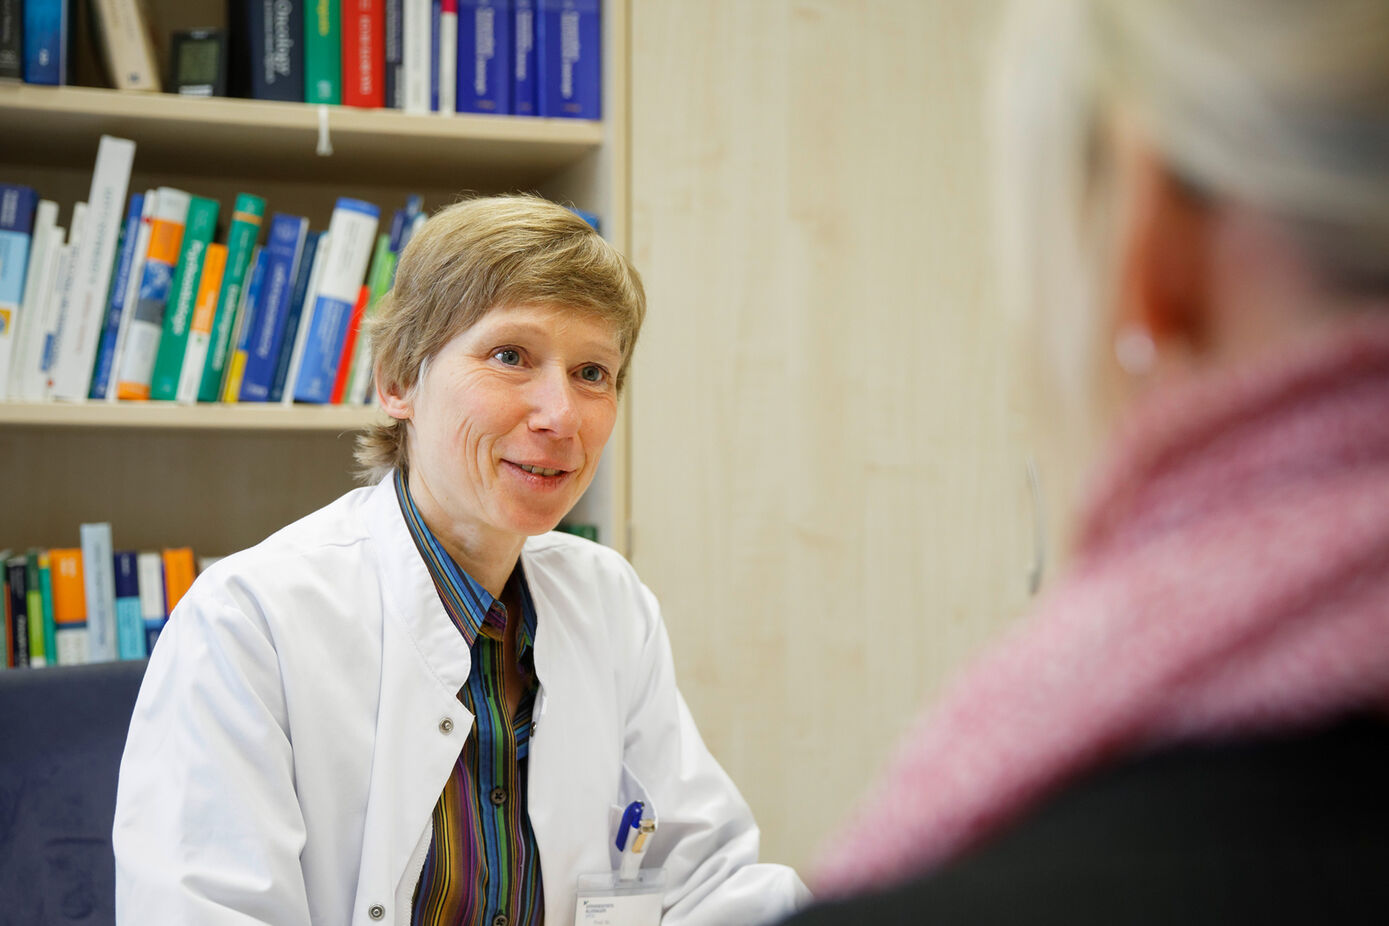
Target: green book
<point x="183" y="293"/>
<point x="241" y="239"/>
<point x="379" y="277"/>
<point x="38" y="652"/>
<point x="323" y="53"/>
<point x="50" y="629"/>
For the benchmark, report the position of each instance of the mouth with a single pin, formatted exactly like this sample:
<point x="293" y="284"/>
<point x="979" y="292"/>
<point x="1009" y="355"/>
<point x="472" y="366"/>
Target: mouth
<point x="539" y="470"/>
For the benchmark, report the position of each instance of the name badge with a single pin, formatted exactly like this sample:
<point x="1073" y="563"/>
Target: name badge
<point x="605" y="899"/>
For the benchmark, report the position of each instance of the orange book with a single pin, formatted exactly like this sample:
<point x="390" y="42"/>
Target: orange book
<point x="142" y="338"/>
<point x="179" y="572"/>
<point x="349" y="346"/>
<point x="200" y="328"/>
<point x="69" y="606"/>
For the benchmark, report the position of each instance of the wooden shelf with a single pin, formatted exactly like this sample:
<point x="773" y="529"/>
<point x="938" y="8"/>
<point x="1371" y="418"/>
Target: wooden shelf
<point x="168" y="416"/>
<point x="247" y="138"/>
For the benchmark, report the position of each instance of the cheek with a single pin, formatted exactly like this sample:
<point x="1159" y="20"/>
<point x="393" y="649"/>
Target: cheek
<point x="598" y="424"/>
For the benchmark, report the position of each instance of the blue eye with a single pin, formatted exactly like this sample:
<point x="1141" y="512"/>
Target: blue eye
<point x="593" y="373"/>
<point x="508" y="356"/>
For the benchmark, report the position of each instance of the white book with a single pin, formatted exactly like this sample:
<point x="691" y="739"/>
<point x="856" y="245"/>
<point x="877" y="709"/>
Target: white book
<point x="32" y="379"/>
<point x="415" y="55"/>
<point x="123" y="33"/>
<point x="132" y="286"/>
<point x="93" y="257"/>
<point x="60" y="300"/>
<point x="448" y="63"/>
<point x="99" y="582"/>
<point x="149" y="569"/>
<point x="135" y="364"/>
<point x="28" y="335"/>
<point x="301" y="336"/>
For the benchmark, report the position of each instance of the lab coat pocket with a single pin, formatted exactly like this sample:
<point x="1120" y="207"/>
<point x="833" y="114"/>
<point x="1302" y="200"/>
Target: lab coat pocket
<point x="670" y="830"/>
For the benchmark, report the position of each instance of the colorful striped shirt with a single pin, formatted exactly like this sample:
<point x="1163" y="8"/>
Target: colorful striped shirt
<point x="483" y="866"/>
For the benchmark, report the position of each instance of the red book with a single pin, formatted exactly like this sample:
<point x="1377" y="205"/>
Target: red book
<point x="349" y="344"/>
<point x="364" y="53"/>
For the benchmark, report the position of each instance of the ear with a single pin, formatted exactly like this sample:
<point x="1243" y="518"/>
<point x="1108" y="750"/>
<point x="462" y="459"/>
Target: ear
<point x="1164" y="241"/>
<point x="395" y="400"/>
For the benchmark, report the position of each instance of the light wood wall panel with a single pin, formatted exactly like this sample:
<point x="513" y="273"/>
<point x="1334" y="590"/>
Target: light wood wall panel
<point x="825" y="492"/>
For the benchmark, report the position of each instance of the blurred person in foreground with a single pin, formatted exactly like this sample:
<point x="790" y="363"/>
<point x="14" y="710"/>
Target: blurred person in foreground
<point x="419" y="705"/>
<point x="1191" y="725"/>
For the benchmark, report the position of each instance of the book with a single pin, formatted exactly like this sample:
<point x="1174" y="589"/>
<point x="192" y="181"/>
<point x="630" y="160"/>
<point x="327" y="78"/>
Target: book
<point x="130" y="622"/>
<point x="132" y="287"/>
<point x="323" y="53"/>
<point x="50" y="640"/>
<point x="180" y="569"/>
<point x="525" y="89"/>
<point x="303" y="277"/>
<point x="149" y="566"/>
<point x="349" y="346"/>
<point x="46" y="42"/>
<point x="434" y="7"/>
<point x="28" y="328"/>
<point x="351" y="235"/>
<point x="284" y="246"/>
<point x="569" y="48"/>
<point x="38" y="644"/>
<point x="484" y="56"/>
<point x="69" y="606"/>
<point x="200" y="329"/>
<point x="301" y="334"/>
<point x="17" y="603"/>
<point x="123" y="38"/>
<point x="363" y="53"/>
<point x="115" y="299"/>
<point x="357" y="380"/>
<point x="415" y="55"/>
<point x="199" y="227"/>
<point x="241" y="241"/>
<point x="135" y="363"/>
<point x="266" y="48"/>
<point x="93" y="256"/>
<point x="18" y="205"/>
<point x="393" y="81"/>
<point x="245" y="325"/>
<point x="448" y="59"/>
<point x="99" y="586"/>
<point x="56" y="302"/>
<point x="11" y="39"/>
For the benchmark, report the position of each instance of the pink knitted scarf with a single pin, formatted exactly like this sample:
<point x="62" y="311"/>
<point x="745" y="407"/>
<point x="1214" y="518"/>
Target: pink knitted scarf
<point x="1231" y="577"/>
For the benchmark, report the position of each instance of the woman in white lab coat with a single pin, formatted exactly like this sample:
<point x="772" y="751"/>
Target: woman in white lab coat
<point x="313" y="700"/>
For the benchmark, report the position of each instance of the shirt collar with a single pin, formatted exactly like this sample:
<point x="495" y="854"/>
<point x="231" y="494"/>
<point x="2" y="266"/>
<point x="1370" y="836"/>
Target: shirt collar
<point x="468" y="604"/>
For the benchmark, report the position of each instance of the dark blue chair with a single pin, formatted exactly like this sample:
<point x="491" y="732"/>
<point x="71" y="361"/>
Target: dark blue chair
<point x="62" y="730"/>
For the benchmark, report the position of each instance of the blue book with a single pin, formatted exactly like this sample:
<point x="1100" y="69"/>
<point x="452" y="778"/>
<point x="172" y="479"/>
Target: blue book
<point x="130" y="622"/>
<point x="46" y="42"/>
<point x="296" y="312"/>
<point x="17" y="207"/>
<point x="525" y="88"/>
<point x="351" y="237"/>
<point x="435" y="9"/>
<point x="393" y="78"/>
<point x="115" y="299"/>
<point x="267" y="49"/>
<point x="569" y="50"/>
<point x="280" y="259"/>
<point x="484" y="56"/>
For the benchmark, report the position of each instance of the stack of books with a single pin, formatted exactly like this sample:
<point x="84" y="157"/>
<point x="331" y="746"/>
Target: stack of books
<point x="140" y="299"/>
<point x="520" y="57"/>
<point x="90" y="603"/>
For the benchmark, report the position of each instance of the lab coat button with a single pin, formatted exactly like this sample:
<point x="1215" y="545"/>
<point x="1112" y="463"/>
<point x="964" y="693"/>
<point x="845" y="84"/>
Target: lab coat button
<point x="446" y="726"/>
<point x="376" y="911"/>
<point x="500" y="920"/>
<point x="498" y="799"/>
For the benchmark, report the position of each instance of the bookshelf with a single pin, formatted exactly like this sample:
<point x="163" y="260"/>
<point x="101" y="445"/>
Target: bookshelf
<point x="220" y="478"/>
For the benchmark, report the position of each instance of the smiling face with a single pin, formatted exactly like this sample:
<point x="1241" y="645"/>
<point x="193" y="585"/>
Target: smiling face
<point x="506" y="426"/>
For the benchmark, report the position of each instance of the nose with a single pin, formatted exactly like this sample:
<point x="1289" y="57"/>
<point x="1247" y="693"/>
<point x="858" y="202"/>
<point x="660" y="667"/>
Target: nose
<point x="554" y="406"/>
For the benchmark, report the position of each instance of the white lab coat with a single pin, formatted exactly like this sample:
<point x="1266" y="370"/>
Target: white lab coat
<point x="289" y="742"/>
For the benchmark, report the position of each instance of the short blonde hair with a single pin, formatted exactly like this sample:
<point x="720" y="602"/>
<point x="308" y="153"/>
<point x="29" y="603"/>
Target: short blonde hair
<point x="472" y="257"/>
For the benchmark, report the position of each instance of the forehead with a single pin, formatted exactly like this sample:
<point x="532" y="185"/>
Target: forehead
<point x="581" y="326"/>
